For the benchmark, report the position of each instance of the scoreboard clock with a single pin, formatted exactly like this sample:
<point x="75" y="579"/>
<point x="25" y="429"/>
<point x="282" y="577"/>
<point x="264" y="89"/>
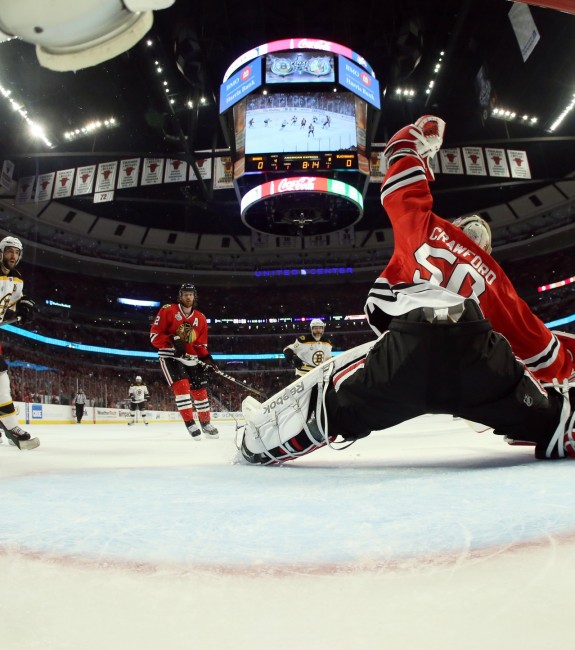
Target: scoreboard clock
<point x="301" y="162"/>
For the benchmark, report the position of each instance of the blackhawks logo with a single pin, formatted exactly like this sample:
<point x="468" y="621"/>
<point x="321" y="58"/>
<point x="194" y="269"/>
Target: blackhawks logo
<point x="186" y="332"/>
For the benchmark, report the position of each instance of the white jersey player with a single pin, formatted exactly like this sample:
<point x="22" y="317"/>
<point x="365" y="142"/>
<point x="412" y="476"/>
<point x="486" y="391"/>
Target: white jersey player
<point x="139" y="396"/>
<point x="309" y="350"/>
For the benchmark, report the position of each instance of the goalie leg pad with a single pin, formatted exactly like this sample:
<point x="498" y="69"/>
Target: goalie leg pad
<point x="293" y="423"/>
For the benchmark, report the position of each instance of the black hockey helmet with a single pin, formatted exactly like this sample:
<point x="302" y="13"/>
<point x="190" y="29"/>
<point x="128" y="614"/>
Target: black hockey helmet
<point x="188" y="286"/>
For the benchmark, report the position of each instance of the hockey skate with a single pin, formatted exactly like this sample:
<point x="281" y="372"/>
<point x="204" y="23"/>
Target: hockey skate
<point x="210" y="430"/>
<point x="195" y="431"/>
<point x="562" y="443"/>
<point x="19" y="438"/>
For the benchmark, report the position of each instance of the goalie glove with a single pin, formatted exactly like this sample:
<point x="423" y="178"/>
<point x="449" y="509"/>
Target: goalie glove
<point x="423" y="139"/>
<point x="25" y="309"/>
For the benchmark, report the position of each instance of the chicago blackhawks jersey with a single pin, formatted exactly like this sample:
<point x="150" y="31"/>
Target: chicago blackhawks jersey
<point x="434" y="264"/>
<point x="192" y="329"/>
<point x="138" y="393"/>
<point x="310" y="351"/>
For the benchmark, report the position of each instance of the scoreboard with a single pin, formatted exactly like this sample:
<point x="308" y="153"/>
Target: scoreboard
<point x="301" y="162"/>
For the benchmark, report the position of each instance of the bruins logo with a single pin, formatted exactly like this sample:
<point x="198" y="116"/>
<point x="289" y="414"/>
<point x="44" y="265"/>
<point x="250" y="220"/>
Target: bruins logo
<point x="317" y="357"/>
<point x="186" y="332"/>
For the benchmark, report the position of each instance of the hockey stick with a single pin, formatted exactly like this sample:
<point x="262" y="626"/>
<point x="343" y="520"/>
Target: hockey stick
<point x="234" y="381"/>
<point x="11" y="321"/>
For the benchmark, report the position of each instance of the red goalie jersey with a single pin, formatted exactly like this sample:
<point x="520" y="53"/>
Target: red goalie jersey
<point x="434" y="264"/>
<point x="193" y="330"/>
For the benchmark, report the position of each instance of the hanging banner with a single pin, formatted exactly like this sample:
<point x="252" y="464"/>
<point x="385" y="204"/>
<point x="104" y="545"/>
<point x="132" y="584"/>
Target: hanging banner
<point x="128" y="175"/>
<point x="518" y="164"/>
<point x="377" y="167"/>
<point x="434" y="165"/>
<point x="204" y="167"/>
<point x="451" y="161"/>
<point x="103" y="197"/>
<point x="7" y="173"/>
<point x="152" y="171"/>
<point x="347" y="236"/>
<point x="176" y="171"/>
<point x="497" y="162"/>
<point x="474" y="161"/>
<point x="84" y="179"/>
<point x="317" y="241"/>
<point x="64" y="180"/>
<point x="286" y="242"/>
<point x="24" y="189"/>
<point x="259" y="240"/>
<point x="223" y="170"/>
<point x="525" y="29"/>
<point x="106" y="179"/>
<point x="44" y="186"/>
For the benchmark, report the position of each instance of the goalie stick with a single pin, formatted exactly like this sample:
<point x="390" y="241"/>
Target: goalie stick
<point x="234" y="381"/>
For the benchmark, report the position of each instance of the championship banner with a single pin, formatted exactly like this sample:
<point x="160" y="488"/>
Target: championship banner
<point x="497" y="162"/>
<point x="152" y="171"/>
<point x="223" y="170"/>
<point x="433" y="164"/>
<point x="518" y="164"/>
<point x="286" y="242"/>
<point x="377" y="167"/>
<point x="84" y="179"/>
<point x="317" y="241"/>
<point x="474" y="161"/>
<point x="64" y="180"/>
<point x="24" y="189"/>
<point x="451" y="161"/>
<point x="259" y="240"/>
<point x="204" y="167"/>
<point x="176" y="171"/>
<point x="347" y="236"/>
<point x="104" y="197"/>
<point x="128" y="176"/>
<point x="106" y="178"/>
<point x="7" y="173"/>
<point x="44" y="186"/>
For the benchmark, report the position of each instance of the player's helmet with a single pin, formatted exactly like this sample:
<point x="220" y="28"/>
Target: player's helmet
<point x="138" y="380"/>
<point x="477" y="229"/>
<point x="10" y="242"/>
<point x="316" y="322"/>
<point x="187" y="286"/>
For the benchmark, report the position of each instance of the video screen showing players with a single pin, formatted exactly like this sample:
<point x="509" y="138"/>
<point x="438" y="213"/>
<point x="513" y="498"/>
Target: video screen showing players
<point x="295" y="122"/>
<point x="299" y="67"/>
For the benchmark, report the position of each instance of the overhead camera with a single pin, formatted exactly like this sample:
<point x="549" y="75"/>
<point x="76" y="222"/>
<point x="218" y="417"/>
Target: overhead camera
<point x="71" y="35"/>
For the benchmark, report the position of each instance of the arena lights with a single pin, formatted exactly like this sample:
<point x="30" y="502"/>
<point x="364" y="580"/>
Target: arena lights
<point x="138" y="303"/>
<point x="563" y="114"/>
<point x="436" y="70"/>
<point x="91" y="128"/>
<point x="509" y="115"/>
<point x="556" y="285"/>
<point x="298" y="44"/>
<point x="18" y="107"/>
<point x="301" y="184"/>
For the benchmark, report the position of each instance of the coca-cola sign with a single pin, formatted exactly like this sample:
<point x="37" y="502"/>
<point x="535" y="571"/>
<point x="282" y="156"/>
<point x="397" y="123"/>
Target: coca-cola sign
<point x="300" y="184"/>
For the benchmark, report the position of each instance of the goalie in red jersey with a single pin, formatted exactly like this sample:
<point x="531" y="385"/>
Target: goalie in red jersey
<point x="180" y="334"/>
<point x="454" y="337"/>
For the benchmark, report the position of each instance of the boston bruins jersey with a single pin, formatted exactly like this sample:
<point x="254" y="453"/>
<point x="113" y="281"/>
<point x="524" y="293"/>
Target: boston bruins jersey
<point x="138" y="393"/>
<point x="310" y="351"/>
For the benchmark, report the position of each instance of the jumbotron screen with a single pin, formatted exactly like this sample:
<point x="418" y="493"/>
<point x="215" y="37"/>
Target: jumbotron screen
<point x="299" y="67"/>
<point x="295" y="122"/>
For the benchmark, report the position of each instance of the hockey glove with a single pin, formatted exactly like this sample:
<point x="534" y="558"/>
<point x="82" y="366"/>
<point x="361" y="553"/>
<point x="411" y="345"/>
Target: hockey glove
<point x="209" y="364"/>
<point x="25" y="309"/>
<point x="292" y="357"/>
<point x="179" y="346"/>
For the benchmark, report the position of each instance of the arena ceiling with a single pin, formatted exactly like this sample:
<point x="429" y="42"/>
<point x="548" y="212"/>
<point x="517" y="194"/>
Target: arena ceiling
<point x="195" y="42"/>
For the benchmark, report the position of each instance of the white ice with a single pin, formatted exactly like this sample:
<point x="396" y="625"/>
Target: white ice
<point x="425" y="536"/>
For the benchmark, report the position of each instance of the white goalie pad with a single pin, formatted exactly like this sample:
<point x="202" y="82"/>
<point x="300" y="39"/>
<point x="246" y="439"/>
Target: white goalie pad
<point x="277" y="421"/>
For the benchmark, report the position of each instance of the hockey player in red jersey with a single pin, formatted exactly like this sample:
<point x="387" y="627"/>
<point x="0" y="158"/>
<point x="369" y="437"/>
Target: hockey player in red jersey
<point x="454" y="338"/>
<point x="180" y="334"/>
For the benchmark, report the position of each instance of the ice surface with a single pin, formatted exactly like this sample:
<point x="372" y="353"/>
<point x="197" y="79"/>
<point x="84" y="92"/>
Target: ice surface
<point x="428" y="536"/>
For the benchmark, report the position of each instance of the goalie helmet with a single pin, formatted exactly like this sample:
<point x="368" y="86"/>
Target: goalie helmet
<point x="316" y="322"/>
<point x="477" y="229"/>
<point x="10" y="242"/>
